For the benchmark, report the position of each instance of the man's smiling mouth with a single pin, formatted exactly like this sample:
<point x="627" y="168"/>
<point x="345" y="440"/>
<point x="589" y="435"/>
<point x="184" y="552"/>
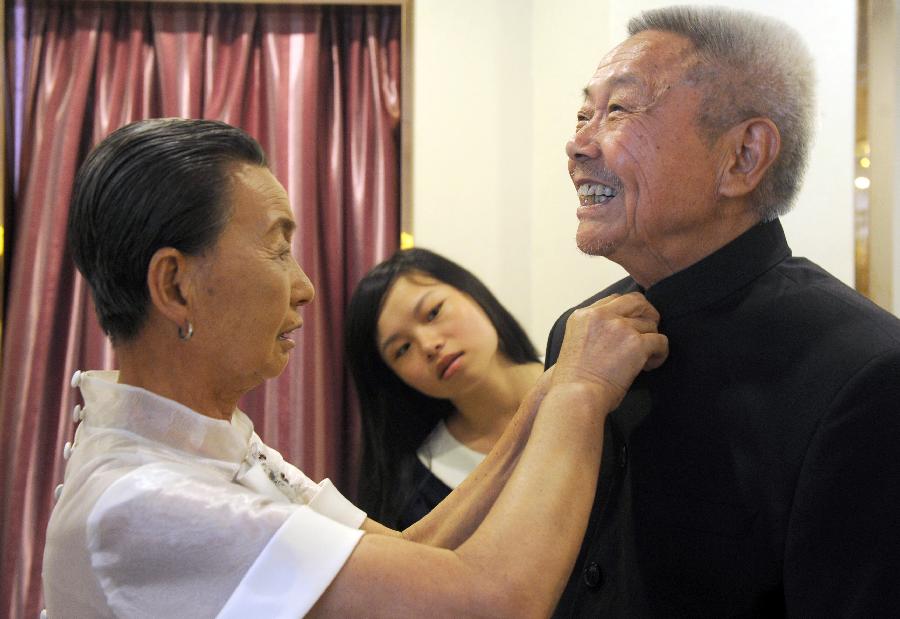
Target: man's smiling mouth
<point x="590" y="194"/>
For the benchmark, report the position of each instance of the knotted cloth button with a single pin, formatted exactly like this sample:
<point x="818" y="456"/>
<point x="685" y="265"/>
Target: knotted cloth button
<point x="57" y="492"/>
<point x="593" y="576"/>
<point x="67" y="450"/>
<point x="77" y="413"/>
<point x="76" y="379"/>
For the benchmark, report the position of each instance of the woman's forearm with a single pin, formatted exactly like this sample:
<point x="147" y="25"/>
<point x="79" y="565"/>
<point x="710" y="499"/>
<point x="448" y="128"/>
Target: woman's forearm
<point x="458" y="515"/>
<point x="535" y="528"/>
<point x="516" y="562"/>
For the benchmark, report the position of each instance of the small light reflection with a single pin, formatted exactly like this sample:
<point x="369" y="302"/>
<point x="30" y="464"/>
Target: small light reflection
<point x="862" y="182"/>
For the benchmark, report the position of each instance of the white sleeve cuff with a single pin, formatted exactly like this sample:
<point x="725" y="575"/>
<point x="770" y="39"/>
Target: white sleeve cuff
<point x="294" y="568"/>
<point x="331" y="503"/>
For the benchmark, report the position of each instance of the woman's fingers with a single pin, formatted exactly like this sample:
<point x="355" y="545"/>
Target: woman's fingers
<point x="658" y="347"/>
<point x="631" y="305"/>
<point x="611" y="341"/>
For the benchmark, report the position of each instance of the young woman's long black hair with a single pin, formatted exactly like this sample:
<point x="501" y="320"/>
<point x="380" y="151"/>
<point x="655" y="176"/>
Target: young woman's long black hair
<point x="395" y="417"/>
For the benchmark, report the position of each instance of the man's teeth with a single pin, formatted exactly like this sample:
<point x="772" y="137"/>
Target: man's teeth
<point x="596" y="194"/>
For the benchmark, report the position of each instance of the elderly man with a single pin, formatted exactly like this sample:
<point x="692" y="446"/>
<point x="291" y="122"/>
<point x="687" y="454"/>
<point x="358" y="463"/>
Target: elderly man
<point x="758" y="472"/>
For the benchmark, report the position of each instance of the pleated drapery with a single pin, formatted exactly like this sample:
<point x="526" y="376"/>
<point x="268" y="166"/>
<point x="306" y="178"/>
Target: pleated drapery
<point x="319" y="87"/>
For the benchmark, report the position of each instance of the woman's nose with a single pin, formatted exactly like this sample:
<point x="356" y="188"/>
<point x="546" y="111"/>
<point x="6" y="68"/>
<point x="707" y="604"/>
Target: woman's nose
<point x="302" y="290"/>
<point x="433" y="347"/>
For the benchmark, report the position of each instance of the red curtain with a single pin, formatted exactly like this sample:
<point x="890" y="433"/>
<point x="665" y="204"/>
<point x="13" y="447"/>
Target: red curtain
<point x="319" y="87"/>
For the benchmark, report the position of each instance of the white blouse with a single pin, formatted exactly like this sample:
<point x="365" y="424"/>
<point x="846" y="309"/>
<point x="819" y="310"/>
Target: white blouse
<point x="447" y="458"/>
<point x="168" y="513"/>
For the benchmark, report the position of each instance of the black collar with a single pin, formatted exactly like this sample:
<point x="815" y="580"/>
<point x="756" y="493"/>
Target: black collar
<point x="718" y="275"/>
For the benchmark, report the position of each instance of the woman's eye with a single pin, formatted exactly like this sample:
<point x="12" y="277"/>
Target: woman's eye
<point x="435" y="311"/>
<point x="401" y="350"/>
<point x="614" y="107"/>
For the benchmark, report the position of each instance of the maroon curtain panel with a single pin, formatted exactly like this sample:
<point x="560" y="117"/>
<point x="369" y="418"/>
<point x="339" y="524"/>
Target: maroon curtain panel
<point x="319" y="87"/>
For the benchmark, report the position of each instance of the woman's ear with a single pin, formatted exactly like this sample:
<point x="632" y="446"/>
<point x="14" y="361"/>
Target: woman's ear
<point x="752" y="147"/>
<point x="167" y="281"/>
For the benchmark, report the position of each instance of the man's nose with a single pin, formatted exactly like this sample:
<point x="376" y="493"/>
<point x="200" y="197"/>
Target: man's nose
<point x="583" y="145"/>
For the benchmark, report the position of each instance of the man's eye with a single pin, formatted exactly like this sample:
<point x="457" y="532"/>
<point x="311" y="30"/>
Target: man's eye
<point x="435" y="311"/>
<point x="614" y="107"/>
<point x="401" y="350"/>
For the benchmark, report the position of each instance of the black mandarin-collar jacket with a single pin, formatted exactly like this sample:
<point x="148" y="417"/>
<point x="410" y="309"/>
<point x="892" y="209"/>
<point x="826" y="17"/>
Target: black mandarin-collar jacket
<point x="757" y="472"/>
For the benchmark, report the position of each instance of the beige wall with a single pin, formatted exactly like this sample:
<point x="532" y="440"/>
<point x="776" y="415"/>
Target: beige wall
<point x="894" y="175"/>
<point x="497" y="85"/>
<point x="472" y="139"/>
<point x="884" y="136"/>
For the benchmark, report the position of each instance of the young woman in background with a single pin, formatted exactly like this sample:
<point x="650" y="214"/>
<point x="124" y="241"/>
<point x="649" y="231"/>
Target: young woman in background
<point x="440" y="367"/>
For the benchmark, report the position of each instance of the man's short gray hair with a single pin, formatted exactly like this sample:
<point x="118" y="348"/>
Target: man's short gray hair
<point x="749" y="66"/>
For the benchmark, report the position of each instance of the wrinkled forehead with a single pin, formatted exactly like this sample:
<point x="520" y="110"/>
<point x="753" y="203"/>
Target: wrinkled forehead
<point x="649" y="59"/>
<point x="255" y="195"/>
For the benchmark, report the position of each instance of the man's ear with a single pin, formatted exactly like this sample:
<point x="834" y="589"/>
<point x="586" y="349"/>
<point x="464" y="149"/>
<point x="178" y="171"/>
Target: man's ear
<point x="167" y="281"/>
<point x="752" y="146"/>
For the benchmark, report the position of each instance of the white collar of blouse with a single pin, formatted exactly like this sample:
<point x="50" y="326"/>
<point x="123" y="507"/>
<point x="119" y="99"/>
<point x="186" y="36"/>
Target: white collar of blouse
<point x="116" y="406"/>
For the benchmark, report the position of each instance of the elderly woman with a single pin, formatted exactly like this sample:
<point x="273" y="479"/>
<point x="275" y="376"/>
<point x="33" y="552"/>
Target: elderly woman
<point x="173" y="507"/>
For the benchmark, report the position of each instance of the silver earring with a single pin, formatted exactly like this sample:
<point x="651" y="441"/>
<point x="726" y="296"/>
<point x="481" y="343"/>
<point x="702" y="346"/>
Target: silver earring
<point x="188" y="334"/>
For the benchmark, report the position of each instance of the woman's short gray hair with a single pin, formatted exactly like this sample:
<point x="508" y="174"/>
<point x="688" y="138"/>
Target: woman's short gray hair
<point x="749" y="65"/>
<point x="160" y="182"/>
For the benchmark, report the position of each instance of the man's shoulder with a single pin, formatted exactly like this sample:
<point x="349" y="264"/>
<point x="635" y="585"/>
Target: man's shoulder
<point x="822" y="298"/>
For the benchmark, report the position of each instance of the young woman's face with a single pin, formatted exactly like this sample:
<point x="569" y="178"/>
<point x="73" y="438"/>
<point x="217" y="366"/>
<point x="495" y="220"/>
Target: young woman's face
<point x="437" y="339"/>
